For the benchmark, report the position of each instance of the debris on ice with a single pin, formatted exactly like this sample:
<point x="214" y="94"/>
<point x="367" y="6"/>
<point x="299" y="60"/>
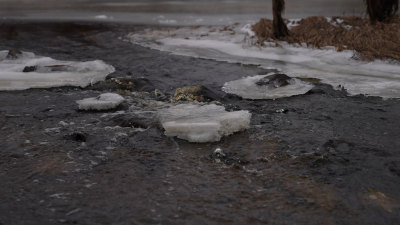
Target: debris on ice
<point x="250" y="88"/>
<point x="104" y="101"/>
<point x="26" y="70"/>
<point x="202" y="123"/>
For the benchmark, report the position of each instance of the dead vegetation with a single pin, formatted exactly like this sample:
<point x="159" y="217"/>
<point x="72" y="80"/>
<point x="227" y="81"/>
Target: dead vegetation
<point x="371" y="41"/>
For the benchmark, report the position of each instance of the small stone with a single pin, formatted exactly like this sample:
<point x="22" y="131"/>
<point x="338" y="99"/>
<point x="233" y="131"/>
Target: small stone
<point x="28" y="69"/>
<point x="77" y="136"/>
<point x="275" y="80"/>
<point x="14" y="54"/>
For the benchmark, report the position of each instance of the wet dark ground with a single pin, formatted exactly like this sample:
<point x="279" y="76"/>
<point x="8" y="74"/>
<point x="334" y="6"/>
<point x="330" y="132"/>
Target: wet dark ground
<point x="326" y="158"/>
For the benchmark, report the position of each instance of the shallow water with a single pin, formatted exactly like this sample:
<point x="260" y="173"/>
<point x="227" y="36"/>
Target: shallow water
<point x="177" y="12"/>
<point x="326" y="158"/>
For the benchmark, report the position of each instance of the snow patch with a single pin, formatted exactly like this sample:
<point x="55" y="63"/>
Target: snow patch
<point x="247" y="88"/>
<point x="202" y="123"/>
<point x="293" y="23"/>
<point x="104" y="101"/>
<point x="46" y="72"/>
<point x="248" y="30"/>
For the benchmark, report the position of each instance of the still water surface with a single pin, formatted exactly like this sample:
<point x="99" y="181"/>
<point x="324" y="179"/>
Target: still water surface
<point x="176" y="12"/>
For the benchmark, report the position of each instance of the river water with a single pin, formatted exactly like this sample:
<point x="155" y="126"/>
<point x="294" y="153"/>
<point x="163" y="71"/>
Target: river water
<point x="188" y="12"/>
<point x="319" y="158"/>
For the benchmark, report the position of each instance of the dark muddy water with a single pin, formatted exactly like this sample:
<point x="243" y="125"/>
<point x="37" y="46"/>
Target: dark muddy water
<point x="178" y="12"/>
<point x="328" y="159"/>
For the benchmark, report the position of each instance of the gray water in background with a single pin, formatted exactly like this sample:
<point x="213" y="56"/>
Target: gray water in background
<point x="172" y="12"/>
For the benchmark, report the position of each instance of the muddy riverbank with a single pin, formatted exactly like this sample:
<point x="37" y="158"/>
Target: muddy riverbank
<point x="318" y="158"/>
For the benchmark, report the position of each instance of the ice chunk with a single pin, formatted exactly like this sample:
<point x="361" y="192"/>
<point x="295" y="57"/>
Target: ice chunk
<point x="202" y="123"/>
<point x="250" y="88"/>
<point x="102" y="102"/>
<point x="45" y="72"/>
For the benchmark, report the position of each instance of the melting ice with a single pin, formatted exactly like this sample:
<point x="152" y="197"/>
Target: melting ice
<point x="102" y="102"/>
<point x="202" y="123"/>
<point x="248" y="88"/>
<point x="235" y="44"/>
<point x="45" y="72"/>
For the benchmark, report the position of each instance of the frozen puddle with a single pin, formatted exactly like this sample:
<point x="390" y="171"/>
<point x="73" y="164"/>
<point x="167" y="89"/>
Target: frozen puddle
<point x="24" y="70"/>
<point x="251" y="88"/>
<point x="104" y="101"/>
<point x="202" y="123"/>
<point x="235" y="44"/>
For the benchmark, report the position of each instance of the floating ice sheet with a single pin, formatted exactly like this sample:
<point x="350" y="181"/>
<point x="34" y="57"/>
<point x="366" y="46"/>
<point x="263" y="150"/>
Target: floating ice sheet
<point x="46" y="72"/>
<point x="247" y="88"/>
<point x="104" y="101"/>
<point x="232" y="44"/>
<point x="207" y="123"/>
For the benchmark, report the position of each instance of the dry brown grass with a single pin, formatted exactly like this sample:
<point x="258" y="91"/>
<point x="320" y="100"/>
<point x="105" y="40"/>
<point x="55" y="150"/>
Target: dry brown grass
<point x="378" y="41"/>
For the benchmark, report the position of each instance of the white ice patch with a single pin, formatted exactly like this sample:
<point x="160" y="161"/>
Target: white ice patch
<point x="207" y="123"/>
<point x="104" y="101"/>
<point x="376" y="78"/>
<point x="293" y="23"/>
<point x="247" y="29"/>
<point x="247" y="88"/>
<point x="49" y="72"/>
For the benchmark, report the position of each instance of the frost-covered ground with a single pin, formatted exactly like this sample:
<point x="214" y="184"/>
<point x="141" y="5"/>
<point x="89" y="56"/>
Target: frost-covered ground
<point x="236" y="44"/>
<point x="320" y="158"/>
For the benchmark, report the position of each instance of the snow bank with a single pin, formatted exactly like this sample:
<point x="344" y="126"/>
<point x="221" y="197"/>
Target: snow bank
<point x="248" y="88"/>
<point x="104" y="101"/>
<point x="207" y="123"/>
<point x="231" y="44"/>
<point x="45" y="72"/>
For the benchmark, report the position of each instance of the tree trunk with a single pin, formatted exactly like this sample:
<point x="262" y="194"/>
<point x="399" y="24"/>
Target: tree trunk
<point x="381" y="10"/>
<point x="279" y="27"/>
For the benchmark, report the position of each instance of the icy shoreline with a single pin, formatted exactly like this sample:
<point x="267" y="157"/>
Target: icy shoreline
<point x="235" y="44"/>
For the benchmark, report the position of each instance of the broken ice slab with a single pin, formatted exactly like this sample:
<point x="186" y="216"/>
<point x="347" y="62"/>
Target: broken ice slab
<point x="202" y="123"/>
<point x="104" y="101"/>
<point x="24" y="70"/>
<point x="258" y="87"/>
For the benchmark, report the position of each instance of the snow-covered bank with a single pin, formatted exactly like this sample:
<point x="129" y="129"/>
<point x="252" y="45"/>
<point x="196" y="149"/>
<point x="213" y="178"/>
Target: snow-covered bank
<point x="27" y="70"/>
<point x="234" y="44"/>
